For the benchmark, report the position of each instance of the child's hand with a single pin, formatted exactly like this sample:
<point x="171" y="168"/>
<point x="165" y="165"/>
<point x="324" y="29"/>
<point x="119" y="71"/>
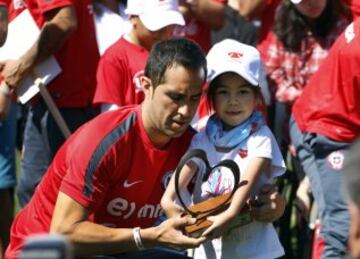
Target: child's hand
<point x="218" y="226"/>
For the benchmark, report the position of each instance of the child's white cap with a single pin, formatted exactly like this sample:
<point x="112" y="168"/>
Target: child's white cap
<point x="156" y="14"/>
<point x="232" y="56"/>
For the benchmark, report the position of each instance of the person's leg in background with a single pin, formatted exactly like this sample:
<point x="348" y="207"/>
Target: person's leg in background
<point x="42" y="139"/>
<point x="335" y="217"/>
<point x="322" y="160"/>
<point x="7" y="175"/>
<point x="35" y="153"/>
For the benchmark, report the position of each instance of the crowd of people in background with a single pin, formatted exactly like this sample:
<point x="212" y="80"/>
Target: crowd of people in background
<point x="134" y="75"/>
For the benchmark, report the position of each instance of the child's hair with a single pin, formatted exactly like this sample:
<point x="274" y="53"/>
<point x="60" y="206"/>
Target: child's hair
<point x="169" y="53"/>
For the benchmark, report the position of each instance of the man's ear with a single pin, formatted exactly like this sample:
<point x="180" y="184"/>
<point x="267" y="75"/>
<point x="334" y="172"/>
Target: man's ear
<point x="146" y="85"/>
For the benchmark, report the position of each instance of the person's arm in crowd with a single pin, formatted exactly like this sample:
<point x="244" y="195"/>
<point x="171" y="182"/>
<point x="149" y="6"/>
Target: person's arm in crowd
<point x="5" y="100"/>
<point x="209" y="12"/>
<point x="70" y="219"/>
<point x="60" y="24"/>
<point x="250" y="9"/>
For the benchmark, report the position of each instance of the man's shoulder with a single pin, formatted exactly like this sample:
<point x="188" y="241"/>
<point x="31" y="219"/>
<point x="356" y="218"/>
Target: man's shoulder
<point x="116" y="117"/>
<point x="108" y="122"/>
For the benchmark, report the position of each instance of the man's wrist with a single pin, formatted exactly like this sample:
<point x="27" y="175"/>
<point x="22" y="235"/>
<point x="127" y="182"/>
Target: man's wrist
<point x="149" y="236"/>
<point x="137" y="238"/>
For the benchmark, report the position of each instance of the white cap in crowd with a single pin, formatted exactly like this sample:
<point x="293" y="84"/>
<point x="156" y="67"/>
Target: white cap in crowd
<point x="296" y="1"/>
<point x="156" y="14"/>
<point x="233" y="56"/>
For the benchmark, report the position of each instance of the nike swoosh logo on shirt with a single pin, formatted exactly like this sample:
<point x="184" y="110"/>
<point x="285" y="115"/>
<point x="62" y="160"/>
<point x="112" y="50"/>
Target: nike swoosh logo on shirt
<point x="127" y="184"/>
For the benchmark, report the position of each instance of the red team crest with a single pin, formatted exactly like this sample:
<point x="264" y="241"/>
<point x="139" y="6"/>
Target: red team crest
<point x="336" y="160"/>
<point x="243" y="153"/>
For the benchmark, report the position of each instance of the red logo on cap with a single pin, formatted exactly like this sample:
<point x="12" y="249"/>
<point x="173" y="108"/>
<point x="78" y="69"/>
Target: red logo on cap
<point x="235" y="55"/>
<point x="243" y="153"/>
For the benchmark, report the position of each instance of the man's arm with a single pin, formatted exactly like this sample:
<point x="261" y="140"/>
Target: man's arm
<point x="250" y="9"/>
<point x="70" y="219"/>
<point x="60" y="24"/>
<point x="202" y="10"/>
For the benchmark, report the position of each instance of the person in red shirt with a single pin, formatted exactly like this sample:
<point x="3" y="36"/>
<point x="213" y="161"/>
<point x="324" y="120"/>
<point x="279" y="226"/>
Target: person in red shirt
<point x="122" y="65"/>
<point x="67" y="32"/>
<point x="106" y="179"/>
<point x="326" y="119"/>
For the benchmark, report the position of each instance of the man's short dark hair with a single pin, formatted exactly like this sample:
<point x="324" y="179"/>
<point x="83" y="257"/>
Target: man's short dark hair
<point x="168" y="53"/>
<point x="352" y="172"/>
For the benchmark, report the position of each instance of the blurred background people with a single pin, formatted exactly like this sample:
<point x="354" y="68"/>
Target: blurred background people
<point x="302" y="34"/>
<point x="325" y="121"/>
<point x="65" y="25"/>
<point x="7" y="144"/>
<point x="236" y="27"/>
<point x="300" y="39"/>
<point x="201" y="17"/>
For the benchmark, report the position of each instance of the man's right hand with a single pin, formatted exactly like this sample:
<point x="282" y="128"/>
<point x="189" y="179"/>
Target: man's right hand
<point x="169" y="233"/>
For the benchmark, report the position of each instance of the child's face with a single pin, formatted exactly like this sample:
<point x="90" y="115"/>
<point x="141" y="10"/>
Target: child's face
<point x="234" y="99"/>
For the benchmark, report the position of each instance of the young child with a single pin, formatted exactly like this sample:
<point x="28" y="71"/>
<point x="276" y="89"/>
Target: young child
<point x="122" y="65"/>
<point x="235" y="131"/>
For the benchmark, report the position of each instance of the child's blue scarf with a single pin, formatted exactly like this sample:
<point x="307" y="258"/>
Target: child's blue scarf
<point x="232" y="138"/>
